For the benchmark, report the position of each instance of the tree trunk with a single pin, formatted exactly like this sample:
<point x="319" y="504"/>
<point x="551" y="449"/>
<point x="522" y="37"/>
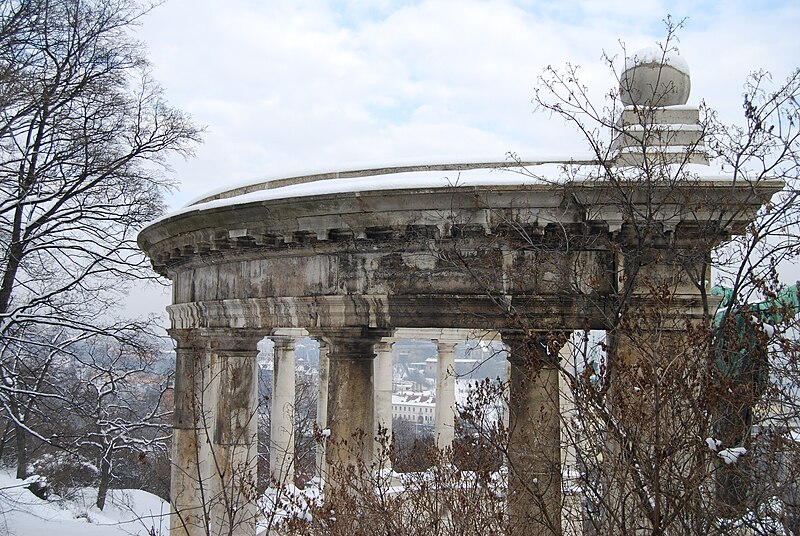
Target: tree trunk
<point x="105" y="477"/>
<point x="22" y="452"/>
<point x="4" y="440"/>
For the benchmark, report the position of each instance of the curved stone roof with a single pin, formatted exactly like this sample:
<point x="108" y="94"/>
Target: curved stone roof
<point x="437" y="200"/>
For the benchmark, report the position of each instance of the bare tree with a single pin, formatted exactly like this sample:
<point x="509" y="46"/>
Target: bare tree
<point x="119" y="399"/>
<point x="648" y="412"/>
<point x="648" y="453"/>
<point x="84" y="133"/>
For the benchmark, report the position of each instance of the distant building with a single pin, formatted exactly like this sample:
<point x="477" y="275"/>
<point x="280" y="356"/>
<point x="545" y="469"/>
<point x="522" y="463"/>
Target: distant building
<point x="415" y="407"/>
<point x="419" y="407"/>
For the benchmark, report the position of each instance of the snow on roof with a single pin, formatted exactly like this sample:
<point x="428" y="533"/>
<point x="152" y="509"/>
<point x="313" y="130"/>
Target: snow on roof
<point x="541" y="171"/>
<point x="397" y="181"/>
<point x="414" y="399"/>
<point x="457" y="360"/>
<point x="485" y="162"/>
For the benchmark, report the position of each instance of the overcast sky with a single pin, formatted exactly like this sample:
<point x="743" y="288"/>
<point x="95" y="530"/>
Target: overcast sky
<point x="296" y="85"/>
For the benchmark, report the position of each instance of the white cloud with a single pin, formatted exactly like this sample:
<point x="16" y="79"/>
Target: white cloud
<point x="284" y="85"/>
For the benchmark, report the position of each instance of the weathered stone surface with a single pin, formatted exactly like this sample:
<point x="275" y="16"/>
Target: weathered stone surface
<point x="281" y="454"/>
<point x="534" y="441"/>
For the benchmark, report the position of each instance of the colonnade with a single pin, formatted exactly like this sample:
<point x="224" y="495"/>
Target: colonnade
<point x="214" y="483"/>
<point x="283" y="396"/>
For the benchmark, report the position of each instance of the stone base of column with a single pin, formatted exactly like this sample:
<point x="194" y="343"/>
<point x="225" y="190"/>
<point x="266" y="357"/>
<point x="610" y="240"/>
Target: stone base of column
<point x="187" y="482"/>
<point x="234" y="504"/>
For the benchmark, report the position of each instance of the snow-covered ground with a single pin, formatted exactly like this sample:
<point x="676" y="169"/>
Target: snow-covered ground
<point x="127" y="512"/>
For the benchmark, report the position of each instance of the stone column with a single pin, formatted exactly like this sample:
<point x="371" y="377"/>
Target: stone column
<point x="445" y="411"/>
<point x="534" y="441"/>
<point x="350" y="403"/>
<point x="215" y="432"/>
<point x="322" y="405"/>
<point x="191" y="461"/>
<point x="506" y="397"/>
<point x="235" y="442"/>
<point x="382" y="370"/>
<point x="281" y="447"/>
<point x="657" y="376"/>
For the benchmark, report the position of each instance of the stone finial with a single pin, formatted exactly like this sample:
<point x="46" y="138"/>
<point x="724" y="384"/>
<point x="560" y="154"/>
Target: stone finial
<point x="655" y="77"/>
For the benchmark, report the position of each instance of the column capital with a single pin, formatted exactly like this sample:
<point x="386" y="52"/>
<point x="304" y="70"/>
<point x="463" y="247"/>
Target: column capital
<point x="236" y="340"/>
<point x="351" y="342"/>
<point x="190" y="338"/>
<point x="533" y="347"/>
<point x="218" y="340"/>
<point x="384" y="345"/>
<point x="446" y="344"/>
<point x="284" y="343"/>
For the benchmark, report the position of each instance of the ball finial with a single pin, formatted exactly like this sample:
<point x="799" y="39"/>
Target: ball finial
<point x="656" y="78"/>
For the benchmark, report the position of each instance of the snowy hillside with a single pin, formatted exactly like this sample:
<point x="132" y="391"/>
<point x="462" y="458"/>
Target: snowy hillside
<point x="127" y="513"/>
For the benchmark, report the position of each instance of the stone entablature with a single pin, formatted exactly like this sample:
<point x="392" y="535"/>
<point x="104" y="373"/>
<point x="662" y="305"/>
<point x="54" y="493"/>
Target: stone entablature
<point x="540" y="212"/>
<point x="389" y="259"/>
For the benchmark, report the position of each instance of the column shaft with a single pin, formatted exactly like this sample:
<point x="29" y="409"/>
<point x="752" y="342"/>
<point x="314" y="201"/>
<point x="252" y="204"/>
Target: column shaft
<point x="322" y="404"/>
<point x="445" y="411"/>
<point x="281" y="449"/>
<point x="235" y="439"/>
<point x="350" y="407"/>
<point x="506" y="397"/>
<point x="534" y="441"/>
<point x="382" y="370"/>
<point x="350" y="404"/>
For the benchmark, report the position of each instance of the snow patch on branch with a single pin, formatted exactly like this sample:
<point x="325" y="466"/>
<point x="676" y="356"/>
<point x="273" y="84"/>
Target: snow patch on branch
<point x="713" y="444"/>
<point x="732" y="454"/>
